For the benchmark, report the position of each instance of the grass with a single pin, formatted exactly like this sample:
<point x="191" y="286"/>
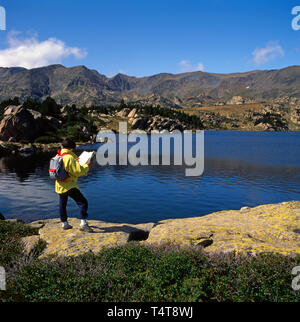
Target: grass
<point x="136" y="273"/>
<point x="10" y="245"/>
<point x="226" y="110"/>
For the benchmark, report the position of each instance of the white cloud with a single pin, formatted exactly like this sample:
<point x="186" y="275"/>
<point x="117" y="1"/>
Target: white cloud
<point x="187" y="67"/>
<point x="32" y="53"/>
<point x="270" y="52"/>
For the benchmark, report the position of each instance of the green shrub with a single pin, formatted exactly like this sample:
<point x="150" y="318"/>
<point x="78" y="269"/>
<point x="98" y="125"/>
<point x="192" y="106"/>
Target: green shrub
<point x="6" y="103"/>
<point x="24" y="141"/>
<point x="139" y="273"/>
<point x="10" y="246"/>
<point x="47" y="139"/>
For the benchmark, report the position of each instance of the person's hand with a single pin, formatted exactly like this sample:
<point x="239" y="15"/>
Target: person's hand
<point x="88" y="163"/>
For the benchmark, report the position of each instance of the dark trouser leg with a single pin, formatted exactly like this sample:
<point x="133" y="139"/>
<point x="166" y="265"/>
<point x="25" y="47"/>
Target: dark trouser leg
<point x="82" y="203"/>
<point x="63" y="200"/>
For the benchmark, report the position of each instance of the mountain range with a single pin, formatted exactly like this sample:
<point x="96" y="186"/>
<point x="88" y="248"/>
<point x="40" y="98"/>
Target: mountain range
<point x="82" y="86"/>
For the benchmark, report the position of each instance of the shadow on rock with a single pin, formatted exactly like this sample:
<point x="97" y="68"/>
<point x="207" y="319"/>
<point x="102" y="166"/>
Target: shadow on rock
<point x="135" y="234"/>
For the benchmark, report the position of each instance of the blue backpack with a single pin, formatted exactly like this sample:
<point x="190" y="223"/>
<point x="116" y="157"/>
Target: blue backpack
<point x="57" y="170"/>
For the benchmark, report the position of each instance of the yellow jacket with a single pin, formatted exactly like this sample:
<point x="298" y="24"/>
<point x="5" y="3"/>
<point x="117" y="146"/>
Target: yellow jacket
<point x="74" y="169"/>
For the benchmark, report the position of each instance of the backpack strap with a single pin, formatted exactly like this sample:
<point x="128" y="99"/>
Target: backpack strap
<point x="62" y="155"/>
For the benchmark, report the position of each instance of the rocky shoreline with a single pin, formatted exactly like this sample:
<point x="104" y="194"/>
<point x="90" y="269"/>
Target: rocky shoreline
<point x="267" y="228"/>
<point x="7" y="149"/>
<point x="25" y="125"/>
<point x="14" y="148"/>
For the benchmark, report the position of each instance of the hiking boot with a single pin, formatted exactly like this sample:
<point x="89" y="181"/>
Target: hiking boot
<point x="66" y="227"/>
<point x="86" y="228"/>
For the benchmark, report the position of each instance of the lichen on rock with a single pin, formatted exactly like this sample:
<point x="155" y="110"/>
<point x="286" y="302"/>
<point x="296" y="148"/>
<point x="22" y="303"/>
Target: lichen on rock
<point x="267" y="228"/>
<point x="74" y="242"/>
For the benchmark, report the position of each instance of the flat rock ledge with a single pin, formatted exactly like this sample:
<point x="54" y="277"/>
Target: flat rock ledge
<point x="267" y="228"/>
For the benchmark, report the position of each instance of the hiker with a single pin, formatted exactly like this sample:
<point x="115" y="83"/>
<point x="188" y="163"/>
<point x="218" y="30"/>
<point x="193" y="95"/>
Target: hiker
<point x="68" y="187"/>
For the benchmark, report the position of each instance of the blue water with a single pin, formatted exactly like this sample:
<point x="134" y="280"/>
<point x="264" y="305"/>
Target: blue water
<point x="241" y="169"/>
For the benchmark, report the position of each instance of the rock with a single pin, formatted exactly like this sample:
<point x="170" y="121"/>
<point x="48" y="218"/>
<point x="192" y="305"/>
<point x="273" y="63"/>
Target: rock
<point x="15" y="221"/>
<point x="36" y="115"/>
<point x="12" y="140"/>
<point x="29" y="243"/>
<point x="205" y="243"/>
<point x="245" y="209"/>
<point x="157" y="123"/>
<point x="295" y="116"/>
<point x="2" y="217"/>
<point x="50" y="147"/>
<point x="21" y="124"/>
<point x="36" y="225"/>
<point x="27" y="150"/>
<point x="68" y="109"/>
<point x="104" y="120"/>
<point x="236" y="100"/>
<point x="124" y="112"/>
<point x="64" y="109"/>
<point x="85" y="132"/>
<point x="262" y="127"/>
<point x="266" y="228"/>
<point x="139" y="123"/>
<point x="54" y="122"/>
<point x="132" y="113"/>
<point x="11" y="110"/>
<point x="176" y="127"/>
<point x="74" y="242"/>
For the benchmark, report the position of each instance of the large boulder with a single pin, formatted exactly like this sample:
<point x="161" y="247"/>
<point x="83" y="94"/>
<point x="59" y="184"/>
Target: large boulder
<point x="138" y="123"/>
<point x="159" y="123"/>
<point x="21" y="124"/>
<point x="133" y="113"/>
<point x="236" y="100"/>
<point x="74" y="242"/>
<point x="124" y="112"/>
<point x="272" y="228"/>
<point x="266" y="228"/>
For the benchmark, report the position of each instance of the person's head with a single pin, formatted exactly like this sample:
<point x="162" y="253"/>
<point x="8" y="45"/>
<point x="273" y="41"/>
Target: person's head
<point x="68" y="144"/>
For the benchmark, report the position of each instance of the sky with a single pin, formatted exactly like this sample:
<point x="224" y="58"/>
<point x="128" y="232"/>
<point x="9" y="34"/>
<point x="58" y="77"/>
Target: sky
<point x="147" y="37"/>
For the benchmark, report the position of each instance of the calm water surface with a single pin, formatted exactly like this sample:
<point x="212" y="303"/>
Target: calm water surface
<point x="241" y="169"/>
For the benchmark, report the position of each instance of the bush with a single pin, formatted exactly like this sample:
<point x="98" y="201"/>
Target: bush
<point x="274" y="119"/>
<point x="75" y="133"/>
<point x="49" y="107"/>
<point x="47" y="139"/>
<point x="190" y="120"/>
<point x="6" y="103"/>
<point x="10" y="246"/>
<point x="138" y="273"/>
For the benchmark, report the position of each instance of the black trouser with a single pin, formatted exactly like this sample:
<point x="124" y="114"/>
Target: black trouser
<point x="78" y="197"/>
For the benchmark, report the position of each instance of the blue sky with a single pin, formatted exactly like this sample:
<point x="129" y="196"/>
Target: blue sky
<point x="146" y="37"/>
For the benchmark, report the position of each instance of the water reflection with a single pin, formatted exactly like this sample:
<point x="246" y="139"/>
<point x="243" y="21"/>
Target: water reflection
<point x="233" y="178"/>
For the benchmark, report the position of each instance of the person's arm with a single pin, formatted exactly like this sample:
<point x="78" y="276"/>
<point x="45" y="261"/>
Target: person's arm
<point x="75" y="169"/>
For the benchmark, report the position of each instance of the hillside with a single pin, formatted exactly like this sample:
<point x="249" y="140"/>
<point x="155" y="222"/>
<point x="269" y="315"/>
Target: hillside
<point x="82" y="86"/>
